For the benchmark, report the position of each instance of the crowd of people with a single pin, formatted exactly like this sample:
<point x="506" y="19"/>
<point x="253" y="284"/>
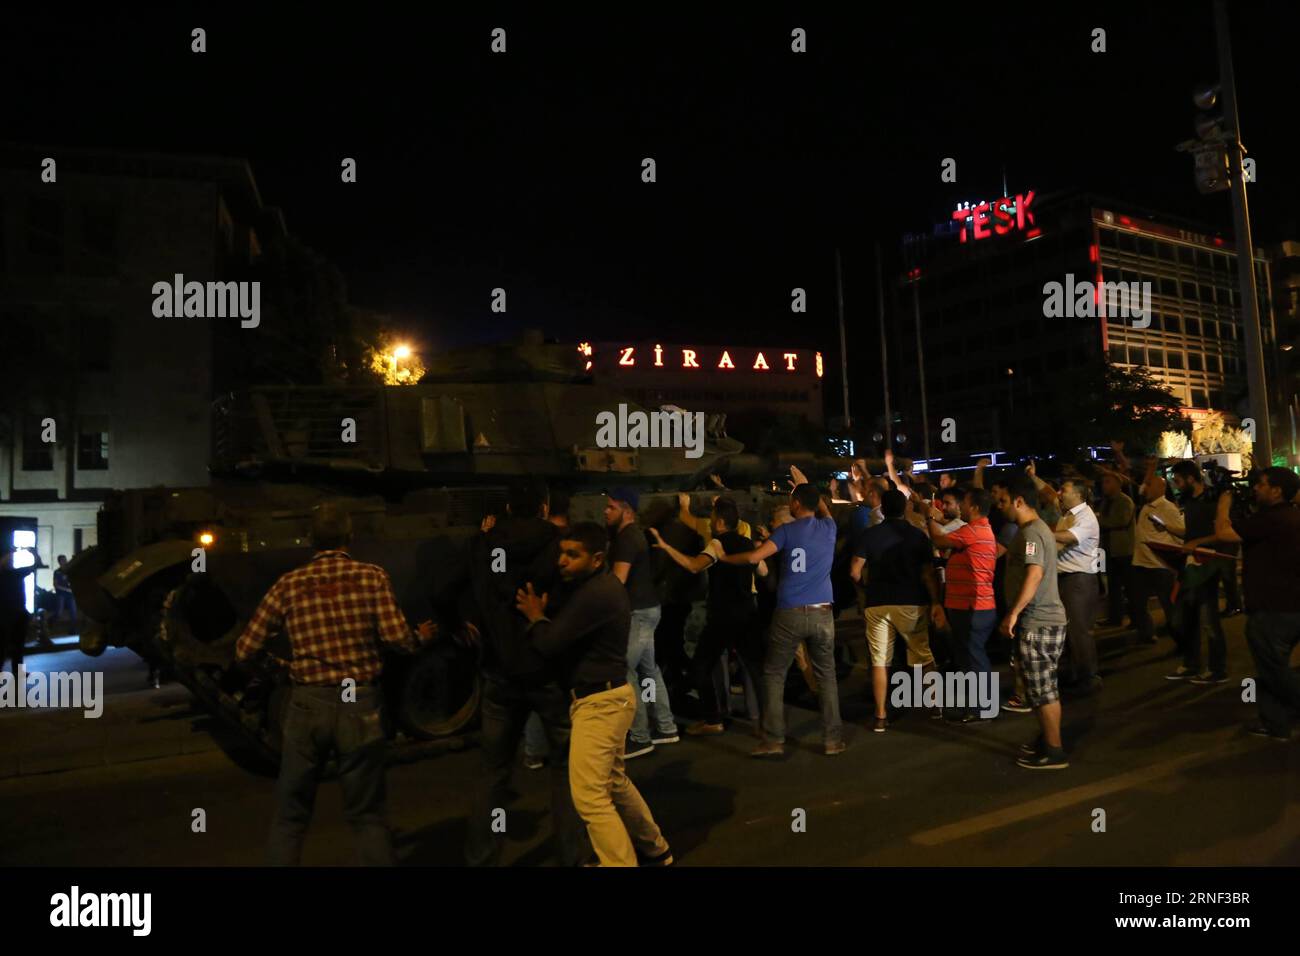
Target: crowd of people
<point x="582" y="627"/>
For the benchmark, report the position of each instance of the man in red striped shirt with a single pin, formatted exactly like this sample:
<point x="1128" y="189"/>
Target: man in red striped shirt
<point x="968" y="595"/>
<point x="338" y="614"/>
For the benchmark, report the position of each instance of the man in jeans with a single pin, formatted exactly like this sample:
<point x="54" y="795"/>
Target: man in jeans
<point x="1036" y="619"/>
<point x="1270" y="541"/>
<point x="1198" y="594"/>
<point x="587" y="637"/>
<point x="338" y="613"/>
<point x="968" y="585"/>
<point x="803" y="612"/>
<point x="629" y="557"/>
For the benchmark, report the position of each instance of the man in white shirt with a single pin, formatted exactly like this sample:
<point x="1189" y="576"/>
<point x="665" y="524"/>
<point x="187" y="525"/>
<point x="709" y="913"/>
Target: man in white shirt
<point x="1158" y="521"/>
<point x="1078" y="536"/>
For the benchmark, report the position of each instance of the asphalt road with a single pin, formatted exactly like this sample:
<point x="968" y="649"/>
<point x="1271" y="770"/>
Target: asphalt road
<point x="1168" y="763"/>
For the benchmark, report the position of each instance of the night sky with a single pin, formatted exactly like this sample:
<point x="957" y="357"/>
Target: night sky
<point x="523" y="170"/>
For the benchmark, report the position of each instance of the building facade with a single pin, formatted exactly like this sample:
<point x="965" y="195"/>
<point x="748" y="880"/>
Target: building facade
<point x="1001" y="295"/>
<point x="102" y="394"/>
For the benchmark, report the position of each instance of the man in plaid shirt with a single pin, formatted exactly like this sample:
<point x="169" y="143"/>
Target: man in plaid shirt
<point x="337" y="612"/>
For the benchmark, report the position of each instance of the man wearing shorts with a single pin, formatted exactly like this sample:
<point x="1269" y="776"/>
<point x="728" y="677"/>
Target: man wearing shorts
<point x="1036" y="620"/>
<point x="901" y="595"/>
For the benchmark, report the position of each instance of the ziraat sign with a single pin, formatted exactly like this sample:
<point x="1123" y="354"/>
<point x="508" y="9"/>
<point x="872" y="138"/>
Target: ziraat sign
<point x="657" y="356"/>
<point x="999" y="217"/>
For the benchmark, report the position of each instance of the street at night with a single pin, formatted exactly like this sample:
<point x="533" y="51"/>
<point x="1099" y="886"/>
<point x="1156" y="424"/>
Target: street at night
<point x="449" y="452"/>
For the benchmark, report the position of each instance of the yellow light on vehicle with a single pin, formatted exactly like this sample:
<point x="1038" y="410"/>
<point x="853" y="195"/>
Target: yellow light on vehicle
<point x="206" y="538"/>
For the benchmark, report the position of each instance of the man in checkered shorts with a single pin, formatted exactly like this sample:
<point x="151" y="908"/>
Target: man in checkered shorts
<point x="1036" y="619"/>
<point x="338" y="614"/>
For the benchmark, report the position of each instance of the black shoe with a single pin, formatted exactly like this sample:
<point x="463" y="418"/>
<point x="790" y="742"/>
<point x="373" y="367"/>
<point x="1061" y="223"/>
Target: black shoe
<point x="632" y="748"/>
<point x="936" y="713"/>
<point x="1263" y="730"/>
<point x="880" y="725"/>
<point x="1044" y="761"/>
<point x="664" y="859"/>
<point x="1183" y="673"/>
<point x="659" y="737"/>
<point x="1034" y="749"/>
<point x="961" y="716"/>
<point x="1211" y="679"/>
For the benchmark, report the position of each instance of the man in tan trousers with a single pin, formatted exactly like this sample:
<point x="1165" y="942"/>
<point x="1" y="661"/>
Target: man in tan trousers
<point x="588" y="635"/>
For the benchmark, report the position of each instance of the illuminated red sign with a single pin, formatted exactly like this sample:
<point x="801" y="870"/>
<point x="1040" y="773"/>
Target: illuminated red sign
<point x="722" y="359"/>
<point x="999" y="218"/>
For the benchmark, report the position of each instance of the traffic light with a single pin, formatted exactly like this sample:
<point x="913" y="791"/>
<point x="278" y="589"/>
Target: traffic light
<point x="1209" y="149"/>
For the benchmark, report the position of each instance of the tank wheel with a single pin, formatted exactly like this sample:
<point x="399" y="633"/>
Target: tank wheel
<point x="438" y="692"/>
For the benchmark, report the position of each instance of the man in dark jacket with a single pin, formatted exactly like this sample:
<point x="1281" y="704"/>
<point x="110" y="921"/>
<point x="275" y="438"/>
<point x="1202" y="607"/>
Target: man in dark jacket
<point x="521" y="548"/>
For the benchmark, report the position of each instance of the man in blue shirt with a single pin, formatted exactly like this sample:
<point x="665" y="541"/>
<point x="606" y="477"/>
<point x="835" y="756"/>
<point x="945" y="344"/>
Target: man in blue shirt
<point x="803" y="612"/>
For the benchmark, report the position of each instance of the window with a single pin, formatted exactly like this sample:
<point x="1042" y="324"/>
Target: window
<point x="1145" y="246"/>
<point x="1193" y="325"/>
<point x="1190" y="293"/>
<point x="1169" y="287"/>
<point x="1137" y="355"/>
<point x="98" y="239"/>
<point x="1174" y="359"/>
<point x="1165" y="250"/>
<point x="1156" y="358"/>
<point x="1118" y="354"/>
<point x="1207" y="293"/>
<point x="38" y="455"/>
<point x="1106" y="238"/>
<point x="1199" y="398"/>
<point x="1174" y="323"/>
<point x="45" y="234"/>
<point x="1185" y="255"/>
<point x="92" y="444"/>
<point x="1126" y="242"/>
<point x="1194" y="361"/>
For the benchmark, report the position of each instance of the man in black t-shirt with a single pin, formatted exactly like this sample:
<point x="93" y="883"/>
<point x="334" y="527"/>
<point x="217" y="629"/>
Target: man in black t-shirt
<point x="732" y="620"/>
<point x="523" y="547"/>
<point x="629" y="559"/>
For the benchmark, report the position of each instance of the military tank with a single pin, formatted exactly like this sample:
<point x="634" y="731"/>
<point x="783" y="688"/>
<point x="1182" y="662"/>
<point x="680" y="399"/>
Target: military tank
<point x="177" y="572"/>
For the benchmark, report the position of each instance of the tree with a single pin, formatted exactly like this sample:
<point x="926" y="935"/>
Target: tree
<point x="1088" y="406"/>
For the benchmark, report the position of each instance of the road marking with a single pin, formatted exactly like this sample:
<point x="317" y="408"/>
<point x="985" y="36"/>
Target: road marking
<point x="1059" y="801"/>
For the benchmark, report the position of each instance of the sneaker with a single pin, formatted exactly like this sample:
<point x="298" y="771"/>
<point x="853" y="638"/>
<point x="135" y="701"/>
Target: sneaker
<point x="633" y="748"/>
<point x="836" y="747"/>
<point x="880" y="724"/>
<point x="1034" y="749"/>
<point x="534" y="763"/>
<point x="663" y="859"/>
<point x="702" y="728"/>
<point x="1017" y="705"/>
<point x="1183" y="673"/>
<point x="659" y="737"/>
<point x="1210" y="678"/>
<point x="768" y="748"/>
<point x="1043" y="761"/>
<point x="1263" y="730"/>
<point x="936" y="713"/>
<point x="961" y="716"/>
